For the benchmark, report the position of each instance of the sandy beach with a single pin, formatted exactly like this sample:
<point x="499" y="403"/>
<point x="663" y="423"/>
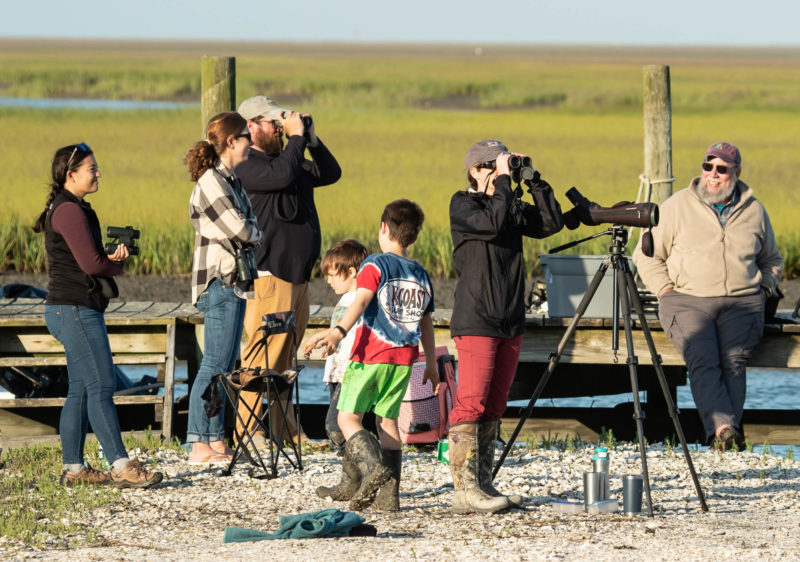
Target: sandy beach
<point x="753" y="499"/>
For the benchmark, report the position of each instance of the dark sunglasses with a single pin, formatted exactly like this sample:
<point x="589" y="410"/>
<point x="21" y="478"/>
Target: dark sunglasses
<point x="722" y="170"/>
<point x="85" y="148"/>
<point x="243" y="136"/>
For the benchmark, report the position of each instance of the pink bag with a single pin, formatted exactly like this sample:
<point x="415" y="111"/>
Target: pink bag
<point x="424" y="416"/>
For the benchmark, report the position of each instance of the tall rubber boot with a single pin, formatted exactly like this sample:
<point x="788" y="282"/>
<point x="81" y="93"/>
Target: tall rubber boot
<point x="487" y="434"/>
<point x="388" y="498"/>
<point x="365" y="450"/>
<point x="348" y="484"/>
<point x="337" y="442"/>
<point x="469" y="497"/>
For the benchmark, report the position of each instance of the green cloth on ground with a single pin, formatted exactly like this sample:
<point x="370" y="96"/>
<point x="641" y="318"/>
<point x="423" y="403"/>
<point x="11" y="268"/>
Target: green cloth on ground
<point x="325" y="523"/>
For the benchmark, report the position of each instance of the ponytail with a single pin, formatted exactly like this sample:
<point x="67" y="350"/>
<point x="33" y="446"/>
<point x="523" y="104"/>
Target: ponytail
<point x="200" y="158"/>
<point x="55" y="189"/>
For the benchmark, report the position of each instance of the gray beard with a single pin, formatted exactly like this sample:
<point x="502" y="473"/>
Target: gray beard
<point x="717" y="198"/>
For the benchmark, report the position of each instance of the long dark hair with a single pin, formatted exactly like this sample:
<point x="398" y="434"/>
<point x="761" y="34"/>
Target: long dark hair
<point x="67" y="159"/>
<point x="204" y="154"/>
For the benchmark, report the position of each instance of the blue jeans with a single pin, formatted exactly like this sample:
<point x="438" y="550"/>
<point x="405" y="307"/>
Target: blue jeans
<point x="223" y="320"/>
<point x="92" y="381"/>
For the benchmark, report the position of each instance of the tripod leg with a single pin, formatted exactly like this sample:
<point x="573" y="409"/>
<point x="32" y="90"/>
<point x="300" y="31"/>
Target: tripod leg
<point x="662" y="379"/>
<point x="553" y="362"/>
<point x="632" y="361"/>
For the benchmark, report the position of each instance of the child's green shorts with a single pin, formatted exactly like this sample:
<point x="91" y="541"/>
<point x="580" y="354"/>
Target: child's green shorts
<point x="381" y="384"/>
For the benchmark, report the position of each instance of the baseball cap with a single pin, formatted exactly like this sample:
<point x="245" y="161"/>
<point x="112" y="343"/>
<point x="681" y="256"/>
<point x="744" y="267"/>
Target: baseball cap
<point x="726" y="151"/>
<point x="260" y="106"/>
<point x="484" y="151"/>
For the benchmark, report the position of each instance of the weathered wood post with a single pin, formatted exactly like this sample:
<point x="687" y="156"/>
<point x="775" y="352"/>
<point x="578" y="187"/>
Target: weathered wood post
<point x="217" y="87"/>
<point x="657" y="133"/>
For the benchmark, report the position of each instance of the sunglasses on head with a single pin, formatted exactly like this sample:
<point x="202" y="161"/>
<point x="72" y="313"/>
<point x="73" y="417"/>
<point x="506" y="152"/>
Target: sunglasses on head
<point x="708" y="166"/>
<point x="85" y="148"/>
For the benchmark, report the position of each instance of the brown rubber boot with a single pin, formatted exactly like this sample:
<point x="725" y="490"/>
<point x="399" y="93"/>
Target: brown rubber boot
<point x="464" y="466"/>
<point x="487" y="434"/>
<point x="365" y="450"/>
<point x="388" y="498"/>
<point x="134" y="475"/>
<point x="348" y="485"/>
<point x="86" y="475"/>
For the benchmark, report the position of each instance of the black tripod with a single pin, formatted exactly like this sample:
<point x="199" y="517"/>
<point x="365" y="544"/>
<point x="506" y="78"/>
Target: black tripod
<point x="624" y="293"/>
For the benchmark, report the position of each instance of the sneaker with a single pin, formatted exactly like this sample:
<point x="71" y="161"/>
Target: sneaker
<point x="134" y="475"/>
<point x="86" y="475"/>
<point x="728" y="438"/>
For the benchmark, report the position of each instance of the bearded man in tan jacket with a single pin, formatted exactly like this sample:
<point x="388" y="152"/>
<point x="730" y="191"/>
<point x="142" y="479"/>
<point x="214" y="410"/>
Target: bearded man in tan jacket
<point x="715" y="262"/>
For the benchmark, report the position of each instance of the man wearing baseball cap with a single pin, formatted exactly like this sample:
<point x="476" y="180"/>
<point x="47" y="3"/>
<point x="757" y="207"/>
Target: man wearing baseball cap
<point x="715" y="262"/>
<point x="280" y="182"/>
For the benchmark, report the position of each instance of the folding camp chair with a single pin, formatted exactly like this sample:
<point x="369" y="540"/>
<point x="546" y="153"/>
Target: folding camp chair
<point x="269" y="384"/>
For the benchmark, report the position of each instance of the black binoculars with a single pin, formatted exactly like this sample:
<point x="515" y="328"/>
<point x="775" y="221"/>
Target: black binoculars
<point x="123" y="235"/>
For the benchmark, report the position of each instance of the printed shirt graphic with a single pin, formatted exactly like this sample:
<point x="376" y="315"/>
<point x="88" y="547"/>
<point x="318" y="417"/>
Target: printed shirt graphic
<point x="336" y="364"/>
<point x="388" y="331"/>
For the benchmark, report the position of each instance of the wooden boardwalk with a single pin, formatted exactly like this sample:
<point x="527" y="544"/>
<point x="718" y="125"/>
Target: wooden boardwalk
<point x="162" y="333"/>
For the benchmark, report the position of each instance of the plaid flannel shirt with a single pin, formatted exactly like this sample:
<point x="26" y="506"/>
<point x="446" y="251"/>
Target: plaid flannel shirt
<point x="221" y="215"/>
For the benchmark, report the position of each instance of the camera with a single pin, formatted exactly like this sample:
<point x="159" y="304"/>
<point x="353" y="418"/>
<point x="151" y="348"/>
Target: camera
<point x="123" y="235"/>
<point x="246" y="269"/>
<point x="625" y="213"/>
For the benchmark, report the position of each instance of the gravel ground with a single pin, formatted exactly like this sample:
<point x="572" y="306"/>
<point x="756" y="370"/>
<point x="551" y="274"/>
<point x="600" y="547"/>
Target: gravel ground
<point x="754" y="503"/>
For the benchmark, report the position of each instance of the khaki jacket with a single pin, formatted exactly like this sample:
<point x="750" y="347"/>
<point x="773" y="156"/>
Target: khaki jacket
<point x="695" y="255"/>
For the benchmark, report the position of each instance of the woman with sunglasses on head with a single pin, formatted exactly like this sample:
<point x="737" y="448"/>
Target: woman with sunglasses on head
<point x="487" y="224"/>
<point x="224" y="224"/>
<point x="80" y="286"/>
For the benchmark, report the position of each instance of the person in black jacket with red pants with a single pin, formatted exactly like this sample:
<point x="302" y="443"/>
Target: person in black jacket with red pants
<point x="487" y="224"/>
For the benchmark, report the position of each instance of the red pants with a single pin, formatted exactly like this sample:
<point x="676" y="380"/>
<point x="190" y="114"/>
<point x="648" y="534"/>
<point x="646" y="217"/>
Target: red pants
<point x="486" y="369"/>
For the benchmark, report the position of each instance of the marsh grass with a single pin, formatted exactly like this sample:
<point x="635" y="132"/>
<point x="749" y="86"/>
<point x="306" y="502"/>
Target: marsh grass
<point x="399" y="121"/>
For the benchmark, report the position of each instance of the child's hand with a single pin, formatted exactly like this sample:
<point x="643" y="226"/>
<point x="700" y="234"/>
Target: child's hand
<point x="431" y="375"/>
<point x="327" y="340"/>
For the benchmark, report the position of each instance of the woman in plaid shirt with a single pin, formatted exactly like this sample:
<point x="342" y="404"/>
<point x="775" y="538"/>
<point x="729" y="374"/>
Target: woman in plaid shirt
<point x="223" y="221"/>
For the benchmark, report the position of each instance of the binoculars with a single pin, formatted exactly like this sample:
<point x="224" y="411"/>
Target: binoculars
<point x="123" y="235"/>
<point x="521" y="168"/>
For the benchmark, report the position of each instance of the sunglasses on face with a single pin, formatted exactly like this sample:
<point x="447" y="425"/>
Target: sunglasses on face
<point x="243" y="136"/>
<point x="85" y="148"/>
<point x="721" y="170"/>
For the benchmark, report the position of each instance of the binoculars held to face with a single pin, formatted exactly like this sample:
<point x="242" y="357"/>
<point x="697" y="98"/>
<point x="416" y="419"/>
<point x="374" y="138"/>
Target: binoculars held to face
<point x="521" y="167"/>
<point x="123" y="235"/>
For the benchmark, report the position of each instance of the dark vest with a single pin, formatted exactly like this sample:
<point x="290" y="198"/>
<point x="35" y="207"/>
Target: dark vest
<point x="69" y="284"/>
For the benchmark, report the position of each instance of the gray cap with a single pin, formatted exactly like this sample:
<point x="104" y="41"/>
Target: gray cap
<point x="484" y="151"/>
<point x="260" y="106"/>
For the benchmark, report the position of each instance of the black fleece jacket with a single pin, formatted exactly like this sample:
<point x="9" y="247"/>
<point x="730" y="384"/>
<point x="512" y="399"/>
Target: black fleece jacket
<point x="487" y="254"/>
<point x="281" y="190"/>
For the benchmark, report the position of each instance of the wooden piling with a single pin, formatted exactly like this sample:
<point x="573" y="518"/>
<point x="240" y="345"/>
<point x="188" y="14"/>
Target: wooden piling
<point x="217" y="87"/>
<point x="658" y="132"/>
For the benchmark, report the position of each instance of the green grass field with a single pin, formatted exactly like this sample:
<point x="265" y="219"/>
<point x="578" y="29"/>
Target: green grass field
<point x="399" y="120"/>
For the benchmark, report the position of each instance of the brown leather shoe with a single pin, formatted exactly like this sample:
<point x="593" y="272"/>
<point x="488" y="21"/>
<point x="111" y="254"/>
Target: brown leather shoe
<point x="134" y="475"/>
<point x="86" y="475"/>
